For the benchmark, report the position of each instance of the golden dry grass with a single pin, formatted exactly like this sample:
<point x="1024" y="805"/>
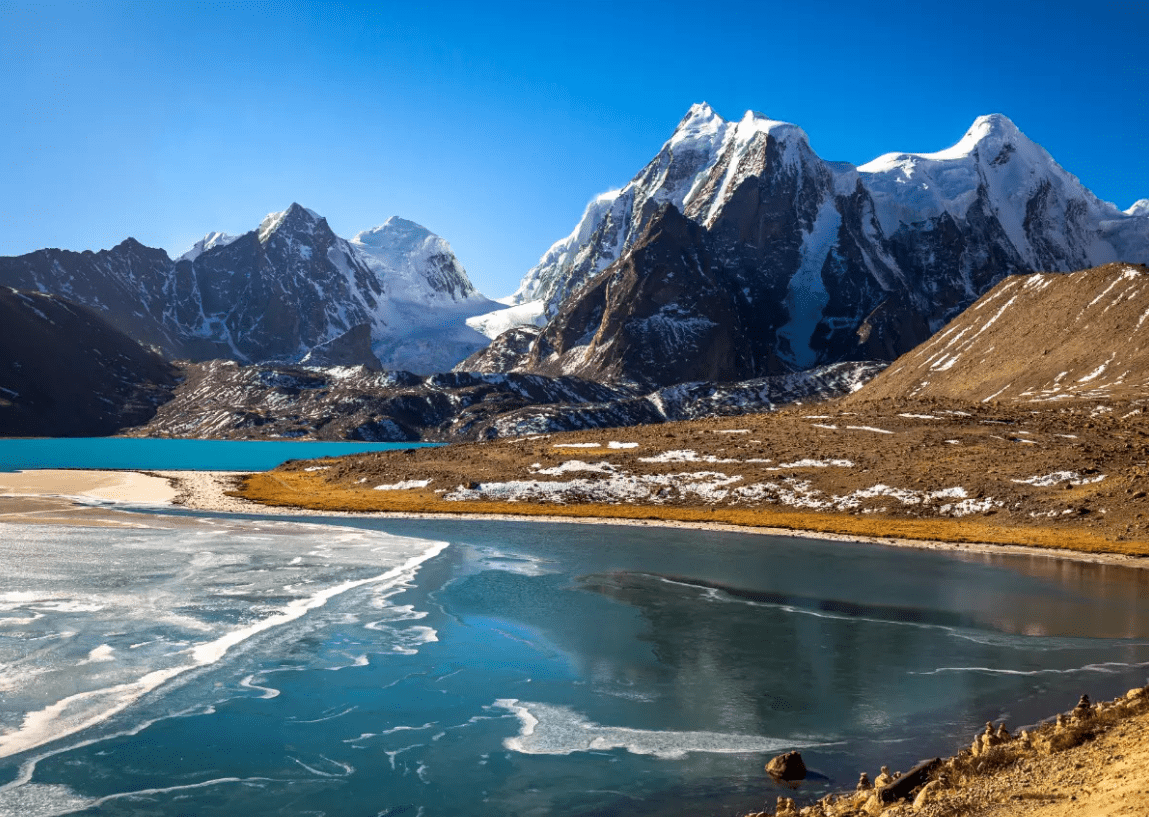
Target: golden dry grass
<point x="310" y="490"/>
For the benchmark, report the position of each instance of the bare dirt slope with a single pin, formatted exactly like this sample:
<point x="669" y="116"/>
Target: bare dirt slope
<point x="1036" y="339"/>
<point x="1069" y="477"/>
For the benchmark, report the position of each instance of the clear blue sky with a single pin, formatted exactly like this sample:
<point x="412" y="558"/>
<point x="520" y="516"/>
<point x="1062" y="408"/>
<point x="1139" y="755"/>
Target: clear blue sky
<point x="492" y="124"/>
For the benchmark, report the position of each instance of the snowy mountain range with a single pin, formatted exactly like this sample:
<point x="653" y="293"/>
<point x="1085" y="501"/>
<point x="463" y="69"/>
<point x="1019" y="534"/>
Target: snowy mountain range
<point x="288" y="291"/>
<point x="789" y="261"/>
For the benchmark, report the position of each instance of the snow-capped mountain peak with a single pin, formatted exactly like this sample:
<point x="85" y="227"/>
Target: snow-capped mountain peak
<point x="825" y="260"/>
<point x="295" y="218"/>
<point x="700" y="122"/>
<point x="395" y="233"/>
<point x="209" y="241"/>
<point x="1043" y="209"/>
<point x="754" y="123"/>
<point x="413" y="264"/>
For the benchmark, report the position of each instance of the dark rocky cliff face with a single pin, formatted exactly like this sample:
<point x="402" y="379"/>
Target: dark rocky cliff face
<point x="64" y="371"/>
<point x="666" y="313"/>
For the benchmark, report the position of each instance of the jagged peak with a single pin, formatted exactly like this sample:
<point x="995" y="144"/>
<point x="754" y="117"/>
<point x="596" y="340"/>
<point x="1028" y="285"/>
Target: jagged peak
<point x="208" y="242"/>
<point x="293" y="215"/>
<point x="700" y="112"/>
<point x="753" y="123"/>
<point x="700" y="123"/>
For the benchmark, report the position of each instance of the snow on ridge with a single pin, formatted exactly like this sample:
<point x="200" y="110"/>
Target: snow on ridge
<point x="209" y="241"/>
<point x="990" y="127"/>
<point x="492" y="324"/>
<point x="1139" y="208"/>
<point x="272" y="221"/>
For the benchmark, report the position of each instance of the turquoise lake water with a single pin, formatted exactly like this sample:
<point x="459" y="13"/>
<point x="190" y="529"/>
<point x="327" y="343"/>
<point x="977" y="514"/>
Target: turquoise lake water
<point x="216" y="665"/>
<point x="172" y="455"/>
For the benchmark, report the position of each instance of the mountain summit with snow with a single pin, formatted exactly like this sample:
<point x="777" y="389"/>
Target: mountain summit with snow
<point x="791" y="261"/>
<point x="288" y="291"/>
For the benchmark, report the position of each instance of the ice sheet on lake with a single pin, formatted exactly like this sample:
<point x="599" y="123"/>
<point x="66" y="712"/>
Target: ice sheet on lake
<point x="105" y="617"/>
<point x="546" y="729"/>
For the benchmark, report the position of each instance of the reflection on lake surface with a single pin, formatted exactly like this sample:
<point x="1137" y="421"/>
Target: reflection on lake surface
<point x="363" y="667"/>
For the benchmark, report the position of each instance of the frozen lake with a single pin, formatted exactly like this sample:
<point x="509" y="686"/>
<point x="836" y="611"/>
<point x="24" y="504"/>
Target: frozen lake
<point x="211" y="666"/>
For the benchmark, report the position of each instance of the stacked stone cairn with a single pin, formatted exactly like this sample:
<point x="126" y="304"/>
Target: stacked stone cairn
<point x="992" y="748"/>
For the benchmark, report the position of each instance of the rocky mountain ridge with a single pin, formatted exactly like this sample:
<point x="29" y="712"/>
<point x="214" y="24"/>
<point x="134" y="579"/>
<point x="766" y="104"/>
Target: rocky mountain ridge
<point x="277" y="292"/>
<point x="815" y="261"/>
<point x="223" y="400"/>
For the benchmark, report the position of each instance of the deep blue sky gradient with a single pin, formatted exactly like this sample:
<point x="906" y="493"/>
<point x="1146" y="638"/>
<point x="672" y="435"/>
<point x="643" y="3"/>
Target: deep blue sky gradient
<point x="492" y="124"/>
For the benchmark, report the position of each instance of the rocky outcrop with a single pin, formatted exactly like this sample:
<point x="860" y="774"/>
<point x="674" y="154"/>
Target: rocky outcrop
<point x="506" y="351"/>
<point x="65" y="372"/>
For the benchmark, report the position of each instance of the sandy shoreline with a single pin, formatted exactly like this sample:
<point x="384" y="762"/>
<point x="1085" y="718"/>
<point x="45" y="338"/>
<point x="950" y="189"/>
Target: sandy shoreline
<point x="57" y="497"/>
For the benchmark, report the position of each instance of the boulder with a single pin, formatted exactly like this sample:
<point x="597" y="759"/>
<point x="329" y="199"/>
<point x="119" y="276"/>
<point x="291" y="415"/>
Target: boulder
<point x="787" y="767"/>
<point x="904" y="786"/>
<point x="928" y="794"/>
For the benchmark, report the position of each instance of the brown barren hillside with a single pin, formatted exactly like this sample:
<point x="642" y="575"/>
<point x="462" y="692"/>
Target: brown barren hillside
<point x="1071" y="477"/>
<point x="1038" y="338"/>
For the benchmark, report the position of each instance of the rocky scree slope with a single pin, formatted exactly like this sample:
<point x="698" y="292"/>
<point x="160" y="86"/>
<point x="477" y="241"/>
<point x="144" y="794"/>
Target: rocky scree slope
<point x="828" y="261"/>
<point x="1035" y="339"/>
<point x="221" y="399"/>
<point x="64" y="371"/>
<point x="291" y="286"/>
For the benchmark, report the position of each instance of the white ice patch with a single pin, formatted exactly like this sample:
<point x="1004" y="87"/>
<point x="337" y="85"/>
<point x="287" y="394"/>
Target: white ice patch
<point x="99" y="655"/>
<point x="869" y="428"/>
<point x="808" y="463"/>
<point x="1047" y="480"/>
<point x="41" y="800"/>
<point x="683" y="455"/>
<point x="404" y="485"/>
<point x="616" y="444"/>
<point x="578" y="465"/>
<point x="79" y="697"/>
<point x="806" y="295"/>
<point x="546" y="729"/>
